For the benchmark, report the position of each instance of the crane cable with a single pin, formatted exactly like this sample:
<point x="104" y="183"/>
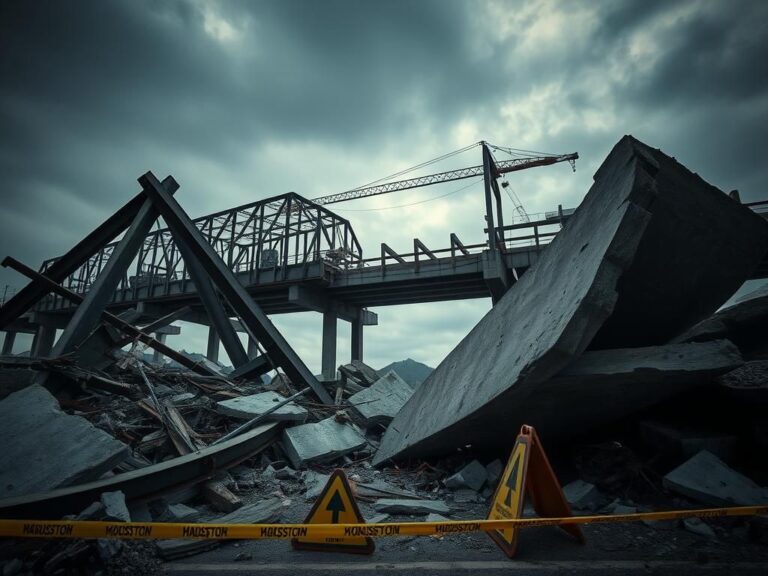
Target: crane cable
<point x="475" y="181"/>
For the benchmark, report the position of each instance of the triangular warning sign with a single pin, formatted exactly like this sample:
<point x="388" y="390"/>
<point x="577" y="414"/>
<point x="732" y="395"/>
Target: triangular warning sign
<point x="527" y="472"/>
<point x="335" y="505"/>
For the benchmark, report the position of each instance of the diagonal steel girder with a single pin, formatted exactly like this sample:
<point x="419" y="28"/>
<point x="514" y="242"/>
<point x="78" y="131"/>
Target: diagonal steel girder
<point x="253" y="318"/>
<point x="88" y="314"/>
<point x="28" y="296"/>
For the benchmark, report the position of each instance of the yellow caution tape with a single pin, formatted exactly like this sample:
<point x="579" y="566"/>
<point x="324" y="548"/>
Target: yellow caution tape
<point x="158" y="530"/>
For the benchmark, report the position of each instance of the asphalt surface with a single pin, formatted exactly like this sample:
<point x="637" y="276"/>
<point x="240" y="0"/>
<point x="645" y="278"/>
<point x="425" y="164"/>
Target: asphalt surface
<point x="628" y="548"/>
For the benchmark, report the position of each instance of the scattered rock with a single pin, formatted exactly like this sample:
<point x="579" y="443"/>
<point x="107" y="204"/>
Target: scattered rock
<point x="320" y="442"/>
<point x="12" y="567"/>
<point x="183" y="398"/>
<point x="494" y="471"/>
<point x="432" y="517"/>
<point x="377" y="519"/>
<point x="315" y="482"/>
<point x="411" y="507"/>
<point x="583" y="495"/>
<point x="249" y="407"/>
<point x="699" y="527"/>
<point x="473" y="476"/>
<point x="708" y="479"/>
<point x="383" y="400"/>
<point x="181" y="513"/>
<point x="114" y="506"/>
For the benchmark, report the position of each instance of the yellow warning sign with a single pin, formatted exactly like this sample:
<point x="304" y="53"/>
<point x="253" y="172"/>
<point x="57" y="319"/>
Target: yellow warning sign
<point x="509" y="498"/>
<point x="336" y="505"/>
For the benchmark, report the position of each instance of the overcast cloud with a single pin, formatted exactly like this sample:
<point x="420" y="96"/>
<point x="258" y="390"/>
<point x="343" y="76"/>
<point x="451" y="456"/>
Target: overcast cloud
<point x="244" y="100"/>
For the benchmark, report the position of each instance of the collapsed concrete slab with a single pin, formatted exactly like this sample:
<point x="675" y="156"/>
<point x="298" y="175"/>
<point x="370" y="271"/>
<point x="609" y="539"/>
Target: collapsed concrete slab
<point x="45" y="448"/>
<point x="382" y="401"/>
<point x="248" y="407"/>
<point x="647" y="224"/>
<point x="320" y="442"/>
<point x="707" y="479"/>
<point x="743" y="323"/>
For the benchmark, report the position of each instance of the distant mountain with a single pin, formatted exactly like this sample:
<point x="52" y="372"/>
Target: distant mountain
<point x="409" y="370"/>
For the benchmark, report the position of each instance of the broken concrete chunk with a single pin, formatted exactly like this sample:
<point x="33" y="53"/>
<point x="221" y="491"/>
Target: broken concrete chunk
<point x="262" y="512"/>
<point x="180" y="513"/>
<point x="707" y="479"/>
<point x="493" y="472"/>
<point x="381" y="489"/>
<point x="583" y="495"/>
<point x="699" y="527"/>
<point x="633" y="252"/>
<point x="377" y="519"/>
<point x="369" y="374"/>
<point x="411" y="507"/>
<point x="315" y="482"/>
<point x="383" y="400"/>
<point x="44" y="448"/>
<point x="319" y="442"/>
<point x="435" y="518"/>
<point x="115" y="507"/>
<point x="248" y="407"/>
<point x="473" y="476"/>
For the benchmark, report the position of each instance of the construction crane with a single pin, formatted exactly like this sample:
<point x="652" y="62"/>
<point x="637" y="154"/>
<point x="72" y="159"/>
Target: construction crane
<point x="499" y="168"/>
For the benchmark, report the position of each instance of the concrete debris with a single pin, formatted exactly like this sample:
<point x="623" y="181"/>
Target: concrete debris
<point x="620" y="274"/>
<point x="742" y="322"/>
<point x="377" y="519"/>
<point x="320" y="442"/>
<point x="748" y="383"/>
<point x="473" y="475"/>
<point x="699" y="527"/>
<point x="180" y="513"/>
<point x="411" y="507"/>
<point x="382" y="489"/>
<point x="45" y="448"/>
<point x="262" y="512"/>
<point x="183" y="398"/>
<point x="707" y="479"/>
<point x="465" y="496"/>
<point x="369" y="375"/>
<point x="315" y="482"/>
<point x="493" y="472"/>
<point x="248" y="407"/>
<point x="381" y="402"/>
<point x="114" y="507"/>
<point x="583" y="495"/>
<point x="13" y="567"/>
<point x="432" y="517"/>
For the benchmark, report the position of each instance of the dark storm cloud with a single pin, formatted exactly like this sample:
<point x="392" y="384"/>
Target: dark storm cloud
<point x="222" y="94"/>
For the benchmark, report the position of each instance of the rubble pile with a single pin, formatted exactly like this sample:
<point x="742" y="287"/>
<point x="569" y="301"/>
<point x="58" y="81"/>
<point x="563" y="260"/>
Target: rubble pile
<point x="611" y="346"/>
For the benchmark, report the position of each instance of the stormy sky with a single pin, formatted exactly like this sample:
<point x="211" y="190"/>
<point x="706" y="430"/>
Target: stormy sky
<point x="245" y="100"/>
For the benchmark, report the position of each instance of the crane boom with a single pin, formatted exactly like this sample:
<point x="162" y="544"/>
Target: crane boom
<point x="501" y="167"/>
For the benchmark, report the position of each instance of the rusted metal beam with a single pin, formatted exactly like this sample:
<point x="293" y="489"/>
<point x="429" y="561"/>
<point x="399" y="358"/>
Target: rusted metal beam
<point x="107" y="317"/>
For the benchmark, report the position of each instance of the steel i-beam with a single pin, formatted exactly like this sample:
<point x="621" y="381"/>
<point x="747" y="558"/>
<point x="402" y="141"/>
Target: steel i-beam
<point x="256" y="322"/>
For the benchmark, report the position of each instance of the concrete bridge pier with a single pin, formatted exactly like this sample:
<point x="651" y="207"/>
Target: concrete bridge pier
<point x="42" y="343"/>
<point x="8" y="341"/>
<point x="357" y="339"/>
<point x="330" y="326"/>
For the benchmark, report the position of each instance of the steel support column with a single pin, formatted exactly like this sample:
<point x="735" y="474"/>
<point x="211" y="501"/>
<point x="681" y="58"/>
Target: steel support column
<point x="212" y="352"/>
<point x="256" y="322"/>
<point x="330" y="323"/>
<point x="42" y="343"/>
<point x="487" y="179"/>
<point x="10" y="338"/>
<point x="357" y="340"/>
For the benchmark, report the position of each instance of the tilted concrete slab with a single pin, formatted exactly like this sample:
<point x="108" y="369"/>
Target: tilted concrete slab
<point x="320" y="442"/>
<point x="631" y="220"/>
<point x="380" y="403"/>
<point x="45" y="448"/>
<point x="248" y="407"/>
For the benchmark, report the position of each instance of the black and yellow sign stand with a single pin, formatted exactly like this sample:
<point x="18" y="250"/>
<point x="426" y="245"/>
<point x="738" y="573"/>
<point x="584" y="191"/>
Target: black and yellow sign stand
<point x="336" y="505"/>
<point x="528" y="472"/>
